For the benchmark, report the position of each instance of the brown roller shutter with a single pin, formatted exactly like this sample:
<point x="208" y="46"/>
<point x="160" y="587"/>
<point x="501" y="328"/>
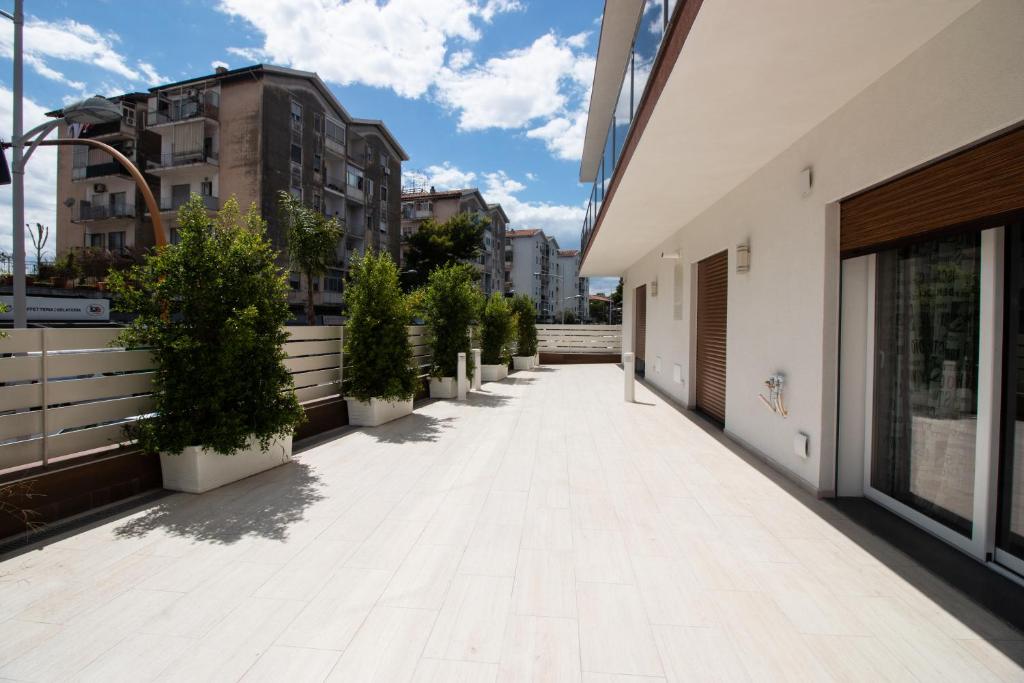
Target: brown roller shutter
<point x="640" y="325"/>
<point x="984" y="183"/>
<point x="712" y="317"/>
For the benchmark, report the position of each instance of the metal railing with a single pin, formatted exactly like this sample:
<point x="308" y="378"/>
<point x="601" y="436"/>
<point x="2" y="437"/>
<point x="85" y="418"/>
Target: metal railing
<point x="185" y="111"/>
<point x="183" y="159"/>
<point x="173" y="204"/>
<point x="98" y="170"/>
<point x="95" y="212"/>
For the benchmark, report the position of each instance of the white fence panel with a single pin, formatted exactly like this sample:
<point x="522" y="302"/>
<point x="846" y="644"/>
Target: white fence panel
<point x="579" y="338"/>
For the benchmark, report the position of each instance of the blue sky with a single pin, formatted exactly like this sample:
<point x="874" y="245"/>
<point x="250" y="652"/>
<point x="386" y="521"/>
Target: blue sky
<point x="489" y="93"/>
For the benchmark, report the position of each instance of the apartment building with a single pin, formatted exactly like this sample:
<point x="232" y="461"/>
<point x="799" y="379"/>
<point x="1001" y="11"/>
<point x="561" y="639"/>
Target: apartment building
<point x="98" y="203"/>
<point x="534" y="265"/>
<point x="249" y="133"/>
<point x="420" y="204"/>
<point x="823" y="247"/>
<point x="571" y="290"/>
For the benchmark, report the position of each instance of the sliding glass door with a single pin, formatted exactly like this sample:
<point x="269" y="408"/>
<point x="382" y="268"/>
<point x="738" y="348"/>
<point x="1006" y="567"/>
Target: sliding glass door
<point x="1010" y="519"/>
<point x="925" y="405"/>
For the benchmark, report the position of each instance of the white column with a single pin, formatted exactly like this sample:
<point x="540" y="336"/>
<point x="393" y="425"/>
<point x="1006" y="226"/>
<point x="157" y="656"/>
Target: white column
<point x="629" y="373"/>
<point x="461" y="382"/>
<point x="477" y="379"/>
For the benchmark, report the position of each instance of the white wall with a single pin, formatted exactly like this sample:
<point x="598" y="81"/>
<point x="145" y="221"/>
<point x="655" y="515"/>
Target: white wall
<point x="963" y="85"/>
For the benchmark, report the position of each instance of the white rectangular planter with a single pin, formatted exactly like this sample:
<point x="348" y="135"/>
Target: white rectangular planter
<point x="445" y="387"/>
<point x="197" y="470"/>
<point x="493" y="373"/>
<point x="376" y="411"/>
<point x="522" y="362"/>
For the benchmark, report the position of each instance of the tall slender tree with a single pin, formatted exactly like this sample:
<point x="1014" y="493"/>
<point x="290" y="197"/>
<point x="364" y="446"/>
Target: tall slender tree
<point x="312" y="243"/>
<point x="39" y="235"/>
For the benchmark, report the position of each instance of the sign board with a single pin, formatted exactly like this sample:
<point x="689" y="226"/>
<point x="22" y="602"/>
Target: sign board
<point x="60" y="309"/>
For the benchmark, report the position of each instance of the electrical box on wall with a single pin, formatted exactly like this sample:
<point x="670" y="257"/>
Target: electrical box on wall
<point x="654" y="288"/>
<point x="677" y="373"/>
<point x="800" y="445"/>
<point x="657" y="364"/>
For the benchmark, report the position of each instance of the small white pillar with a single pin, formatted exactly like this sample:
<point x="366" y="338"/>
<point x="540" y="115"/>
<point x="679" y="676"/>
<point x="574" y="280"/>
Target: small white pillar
<point x="477" y="372"/>
<point x="629" y="373"/>
<point x="461" y="383"/>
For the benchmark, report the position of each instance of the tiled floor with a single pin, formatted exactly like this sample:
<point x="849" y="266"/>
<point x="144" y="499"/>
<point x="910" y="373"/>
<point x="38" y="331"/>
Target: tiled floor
<point x="545" y="530"/>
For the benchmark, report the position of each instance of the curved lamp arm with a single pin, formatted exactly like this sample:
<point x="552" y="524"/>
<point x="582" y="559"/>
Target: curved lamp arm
<point x="140" y="181"/>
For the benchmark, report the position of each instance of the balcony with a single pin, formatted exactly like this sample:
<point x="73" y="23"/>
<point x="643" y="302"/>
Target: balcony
<point x="541" y="527"/>
<point x="185" y="111"/>
<point x="122" y="128"/>
<point x="173" y="204"/>
<point x="182" y="159"/>
<point x="101" y="170"/>
<point x="86" y="211"/>
<point x="335" y="184"/>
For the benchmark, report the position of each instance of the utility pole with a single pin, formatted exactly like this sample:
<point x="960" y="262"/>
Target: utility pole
<point x="18" y="175"/>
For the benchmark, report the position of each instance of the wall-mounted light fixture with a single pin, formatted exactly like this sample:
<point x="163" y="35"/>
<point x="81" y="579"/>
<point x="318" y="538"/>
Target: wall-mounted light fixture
<point x="672" y="255"/>
<point x="654" y="287"/>
<point x="806" y="181"/>
<point x="743" y="257"/>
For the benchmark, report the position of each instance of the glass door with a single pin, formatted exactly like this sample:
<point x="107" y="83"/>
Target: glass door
<point x="925" y="406"/>
<point x="1010" y="518"/>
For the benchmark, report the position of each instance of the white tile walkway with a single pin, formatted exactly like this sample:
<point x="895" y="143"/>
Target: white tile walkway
<point x="545" y="531"/>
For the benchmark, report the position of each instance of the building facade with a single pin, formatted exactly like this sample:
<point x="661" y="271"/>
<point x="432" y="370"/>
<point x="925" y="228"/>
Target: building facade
<point x="822" y="250"/>
<point x="534" y="265"/>
<point x="420" y="204"/>
<point x="248" y="133"/>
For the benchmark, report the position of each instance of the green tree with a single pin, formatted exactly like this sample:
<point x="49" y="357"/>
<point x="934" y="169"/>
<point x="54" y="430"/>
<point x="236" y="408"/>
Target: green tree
<point x="497" y="328"/>
<point x="376" y="338"/>
<point x="312" y="243"/>
<point x="212" y="310"/>
<point x="599" y="310"/>
<point x="526" y="325"/>
<point x="450" y="304"/>
<point x="434" y="245"/>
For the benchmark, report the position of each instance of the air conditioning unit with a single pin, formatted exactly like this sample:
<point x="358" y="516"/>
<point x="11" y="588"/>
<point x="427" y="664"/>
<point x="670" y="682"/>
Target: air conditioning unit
<point x="99" y="188"/>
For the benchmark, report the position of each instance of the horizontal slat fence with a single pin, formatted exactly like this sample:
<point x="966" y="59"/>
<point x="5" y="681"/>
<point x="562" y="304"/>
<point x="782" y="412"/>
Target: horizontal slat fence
<point x="604" y="339"/>
<point x="66" y="392"/>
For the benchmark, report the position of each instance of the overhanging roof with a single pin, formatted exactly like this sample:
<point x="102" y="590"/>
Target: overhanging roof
<point x="750" y="80"/>
<point x="618" y="26"/>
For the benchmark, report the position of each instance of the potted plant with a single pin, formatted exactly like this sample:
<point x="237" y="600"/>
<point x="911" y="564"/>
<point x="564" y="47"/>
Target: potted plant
<point x="526" y="333"/>
<point x="450" y="303"/>
<point x="380" y="381"/>
<point x="211" y="309"/>
<point x="497" y="327"/>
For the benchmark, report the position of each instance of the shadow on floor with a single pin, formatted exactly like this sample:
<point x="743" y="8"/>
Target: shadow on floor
<point x="410" y="429"/>
<point x="955" y="582"/>
<point x="265" y="505"/>
<point x="487" y="399"/>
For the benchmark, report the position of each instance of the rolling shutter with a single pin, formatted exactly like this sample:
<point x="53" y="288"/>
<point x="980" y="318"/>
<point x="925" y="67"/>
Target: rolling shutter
<point x="712" y="317"/>
<point x="640" y="323"/>
<point x="982" y="183"/>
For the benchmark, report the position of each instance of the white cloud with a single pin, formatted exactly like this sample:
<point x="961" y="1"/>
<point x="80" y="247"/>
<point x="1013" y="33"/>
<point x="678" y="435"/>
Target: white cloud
<point x="400" y="44"/>
<point x="603" y="285"/>
<point x="68" y="40"/>
<point x="522" y="85"/>
<point x="216" y="64"/>
<point x="418" y="49"/>
<point x="562" y="221"/>
<point x="40" y="177"/>
<point x="531" y="176"/>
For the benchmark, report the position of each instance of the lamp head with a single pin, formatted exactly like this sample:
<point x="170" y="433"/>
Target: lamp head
<point x="92" y="110"/>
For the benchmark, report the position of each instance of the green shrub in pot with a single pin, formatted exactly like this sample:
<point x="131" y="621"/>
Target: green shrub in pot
<point x="212" y="310"/>
<point x="526" y="326"/>
<point x="497" y="329"/>
<point x="451" y="302"/>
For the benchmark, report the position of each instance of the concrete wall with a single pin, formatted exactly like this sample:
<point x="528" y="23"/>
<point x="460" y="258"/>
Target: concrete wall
<point x="963" y="85"/>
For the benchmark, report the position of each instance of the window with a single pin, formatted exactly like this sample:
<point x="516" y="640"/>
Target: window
<point x="98" y="240"/>
<point x="332" y="281"/>
<point x="318" y="161"/>
<point x="296" y="155"/>
<point x="317" y="203"/>
<point x="383" y="192"/>
<point x="206" y="188"/>
<point x="296" y="115"/>
<point x="318" y="122"/>
<point x="128" y="113"/>
<point x="927" y="316"/>
<point x="296" y="181"/>
<point x="118" y="203"/>
<point x="115" y="241"/>
<point x="335" y="131"/>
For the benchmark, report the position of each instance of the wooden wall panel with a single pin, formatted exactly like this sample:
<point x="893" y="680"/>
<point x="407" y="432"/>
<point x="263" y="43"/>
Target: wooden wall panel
<point x="983" y="184"/>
